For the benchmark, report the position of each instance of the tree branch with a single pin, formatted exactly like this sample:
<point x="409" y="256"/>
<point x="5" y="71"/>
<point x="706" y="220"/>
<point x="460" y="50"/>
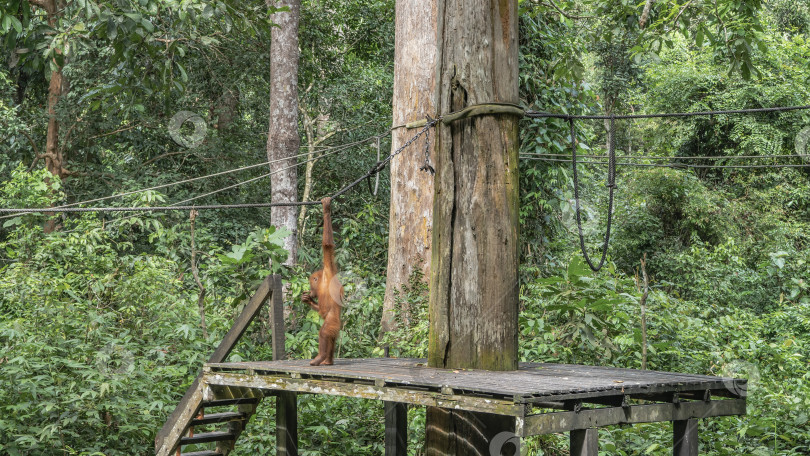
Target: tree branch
<point x="70" y="130"/>
<point x="645" y="15"/>
<point x="195" y="272"/>
<point x="162" y="156"/>
<point x="31" y="140"/>
<point x="722" y="24"/>
<point x="37" y="156"/>
<point x="34" y="163"/>
<point x="569" y="16"/>
<point x="169" y="40"/>
<point x="644" y="288"/>
<point x="681" y="12"/>
<point x="323" y="138"/>
<point x="116" y="131"/>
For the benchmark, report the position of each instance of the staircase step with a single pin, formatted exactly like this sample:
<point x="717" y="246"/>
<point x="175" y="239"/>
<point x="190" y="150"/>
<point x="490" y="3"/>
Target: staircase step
<point x="206" y="437"/>
<point x="234" y="401"/>
<point x="217" y="418"/>
<point x="202" y="453"/>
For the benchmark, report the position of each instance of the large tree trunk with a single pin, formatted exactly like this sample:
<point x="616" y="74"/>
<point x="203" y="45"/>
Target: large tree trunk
<point x="54" y="161"/>
<point x="282" y="137"/>
<point x="411" y="217"/>
<point x="474" y="276"/>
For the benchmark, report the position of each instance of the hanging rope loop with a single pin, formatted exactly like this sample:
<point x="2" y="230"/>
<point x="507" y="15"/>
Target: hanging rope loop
<point x="611" y="185"/>
<point x="377" y="177"/>
<point x="612" y="154"/>
<point x="375" y="171"/>
<point x="381" y="165"/>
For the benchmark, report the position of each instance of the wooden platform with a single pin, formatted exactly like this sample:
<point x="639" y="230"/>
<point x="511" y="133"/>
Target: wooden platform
<point x="533" y="383"/>
<point x="536" y="399"/>
<point x="542" y="398"/>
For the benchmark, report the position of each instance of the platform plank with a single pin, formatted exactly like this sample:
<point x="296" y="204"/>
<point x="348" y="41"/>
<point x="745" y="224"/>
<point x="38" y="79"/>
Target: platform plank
<point x="532" y="383"/>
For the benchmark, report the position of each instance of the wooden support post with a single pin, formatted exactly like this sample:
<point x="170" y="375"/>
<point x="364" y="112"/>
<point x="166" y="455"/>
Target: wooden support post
<point x="396" y="429"/>
<point x="585" y="442"/>
<point x="685" y="437"/>
<point x="277" y="320"/>
<point x="286" y="402"/>
<point x="475" y="249"/>
<point x="286" y="424"/>
<point x="520" y="433"/>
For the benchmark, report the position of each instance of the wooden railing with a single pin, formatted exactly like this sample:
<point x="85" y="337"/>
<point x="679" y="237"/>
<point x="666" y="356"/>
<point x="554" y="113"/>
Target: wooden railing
<point x="171" y="432"/>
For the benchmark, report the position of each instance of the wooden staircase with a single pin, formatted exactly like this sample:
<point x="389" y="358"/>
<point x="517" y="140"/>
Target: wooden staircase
<point x="224" y="412"/>
<point x="221" y="421"/>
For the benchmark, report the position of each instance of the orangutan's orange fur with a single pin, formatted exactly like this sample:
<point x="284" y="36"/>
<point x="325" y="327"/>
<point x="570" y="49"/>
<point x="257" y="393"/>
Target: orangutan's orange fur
<point x="325" y="294"/>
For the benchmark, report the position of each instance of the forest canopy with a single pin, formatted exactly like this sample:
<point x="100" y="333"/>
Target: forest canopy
<point x="100" y="328"/>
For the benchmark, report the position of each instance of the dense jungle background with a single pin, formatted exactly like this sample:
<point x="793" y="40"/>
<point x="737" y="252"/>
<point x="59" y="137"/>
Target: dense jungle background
<point x="100" y="330"/>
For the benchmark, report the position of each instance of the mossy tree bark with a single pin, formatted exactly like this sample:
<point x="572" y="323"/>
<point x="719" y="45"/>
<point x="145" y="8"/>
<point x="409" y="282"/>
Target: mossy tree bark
<point x="474" y="271"/>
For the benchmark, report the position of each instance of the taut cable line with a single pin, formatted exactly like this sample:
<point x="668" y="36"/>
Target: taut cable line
<point x="661" y="157"/>
<point x="330" y="150"/>
<point x="467" y="113"/>
<point x="539" y="114"/>
<point x="379" y="166"/>
<point x="670" y="165"/>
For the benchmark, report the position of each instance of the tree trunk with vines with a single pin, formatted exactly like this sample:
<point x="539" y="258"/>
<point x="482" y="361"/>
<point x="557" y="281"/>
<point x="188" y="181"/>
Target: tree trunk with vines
<point x="474" y="273"/>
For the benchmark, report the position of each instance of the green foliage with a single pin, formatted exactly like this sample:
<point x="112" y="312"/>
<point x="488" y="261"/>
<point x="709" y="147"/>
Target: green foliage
<point x="790" y="17"/>
<point x="692" y="81"/>
<point x="409" y="339"/>
<point x="248" y="263"/>
<point x="28" y="189"/>
<point x="364" y="234"/>
<point x="328" y="425"/>
<point x="579" y="317"/>
<point x="131" y="30"/>
<point x="669" y="209"/>
<point x="99" y="333"/>
<point x="726" y="250"/>
<point x="94" y="342"/>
